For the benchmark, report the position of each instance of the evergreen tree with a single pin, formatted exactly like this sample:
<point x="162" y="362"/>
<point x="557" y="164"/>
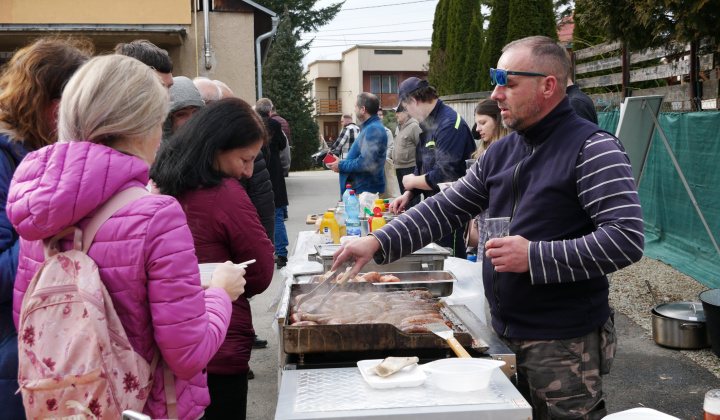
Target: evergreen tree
<point x="529" y="18"/>
<point x="301" y="14"/>
<point x="437" y="68"/>
<point x="494" y="40"/>
<point x="459" y="22"/>
<point x="285" y="84"/>
<point x="475" y="45"/>
<point x="584" y="35"/>
<point x="653" y="23"/>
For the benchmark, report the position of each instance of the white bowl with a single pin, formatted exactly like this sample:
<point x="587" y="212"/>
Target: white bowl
<point x="462" y="374"/>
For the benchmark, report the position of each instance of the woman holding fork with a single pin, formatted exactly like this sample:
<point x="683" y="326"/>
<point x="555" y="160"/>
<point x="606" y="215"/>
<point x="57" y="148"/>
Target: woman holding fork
<point x="200" y="165"/>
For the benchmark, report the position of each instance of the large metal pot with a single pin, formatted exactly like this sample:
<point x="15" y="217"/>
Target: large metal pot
<point x="680" y="325"/>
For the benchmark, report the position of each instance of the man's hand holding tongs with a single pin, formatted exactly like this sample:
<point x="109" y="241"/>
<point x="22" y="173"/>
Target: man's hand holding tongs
<point x="362" y="250"/>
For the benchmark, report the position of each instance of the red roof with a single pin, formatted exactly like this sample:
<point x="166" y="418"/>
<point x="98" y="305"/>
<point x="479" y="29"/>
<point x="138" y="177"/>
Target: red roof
<point x="565" y="30"/>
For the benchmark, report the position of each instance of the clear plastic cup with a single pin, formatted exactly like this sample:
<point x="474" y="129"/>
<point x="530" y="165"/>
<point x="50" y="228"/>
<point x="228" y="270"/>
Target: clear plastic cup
<point x="497" y="227"/>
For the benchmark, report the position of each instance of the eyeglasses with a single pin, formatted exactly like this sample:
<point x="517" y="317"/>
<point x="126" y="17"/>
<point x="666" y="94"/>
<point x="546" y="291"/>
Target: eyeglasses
<point x="499" y="77"/>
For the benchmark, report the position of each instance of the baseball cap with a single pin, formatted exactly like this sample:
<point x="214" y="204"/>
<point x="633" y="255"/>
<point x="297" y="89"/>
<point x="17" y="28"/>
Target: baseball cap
<point x="409" y="85"/>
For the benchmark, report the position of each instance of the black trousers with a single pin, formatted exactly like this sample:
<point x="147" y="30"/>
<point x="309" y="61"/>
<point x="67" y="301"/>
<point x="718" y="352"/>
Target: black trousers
<point x="228" y="397"/>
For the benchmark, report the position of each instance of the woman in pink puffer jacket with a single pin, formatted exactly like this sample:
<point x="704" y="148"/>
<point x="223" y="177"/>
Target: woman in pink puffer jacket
<point x="110" y="122"/>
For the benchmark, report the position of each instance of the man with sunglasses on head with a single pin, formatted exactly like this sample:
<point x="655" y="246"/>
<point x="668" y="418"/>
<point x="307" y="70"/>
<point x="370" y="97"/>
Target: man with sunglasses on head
<point x="444" y="145"/>
<point x="568" y="189"/>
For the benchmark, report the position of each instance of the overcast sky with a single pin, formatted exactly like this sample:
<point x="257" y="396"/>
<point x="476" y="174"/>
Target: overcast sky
<point x="372" y="22"/>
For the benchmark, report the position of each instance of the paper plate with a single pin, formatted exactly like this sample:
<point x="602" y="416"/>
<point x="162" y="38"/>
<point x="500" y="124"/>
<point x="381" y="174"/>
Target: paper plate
<point x="409" y="376"/>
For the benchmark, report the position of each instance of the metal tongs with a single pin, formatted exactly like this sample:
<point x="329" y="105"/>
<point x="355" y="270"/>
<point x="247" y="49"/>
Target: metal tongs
<point x="344" y="269"/>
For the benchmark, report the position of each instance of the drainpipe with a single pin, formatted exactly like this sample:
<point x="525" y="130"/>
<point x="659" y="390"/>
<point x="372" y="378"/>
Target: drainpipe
<point x="206" y="15"/>
<point x="258" y="55"/>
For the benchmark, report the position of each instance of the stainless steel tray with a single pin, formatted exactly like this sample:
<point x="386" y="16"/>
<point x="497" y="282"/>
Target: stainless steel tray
<point x="439" y="283"/>
<point x="429" y="258"/>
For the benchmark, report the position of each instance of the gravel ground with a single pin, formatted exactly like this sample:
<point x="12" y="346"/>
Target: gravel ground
<point x="629" y="294"/>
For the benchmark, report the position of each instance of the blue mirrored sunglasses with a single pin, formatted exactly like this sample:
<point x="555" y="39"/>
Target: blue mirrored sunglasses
<point x="499" y="77"/>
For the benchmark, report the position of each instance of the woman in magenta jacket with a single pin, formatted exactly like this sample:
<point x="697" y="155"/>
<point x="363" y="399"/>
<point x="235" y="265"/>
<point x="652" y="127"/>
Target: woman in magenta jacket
<point x="200" y="166"/>
<point x="110" y="125"/>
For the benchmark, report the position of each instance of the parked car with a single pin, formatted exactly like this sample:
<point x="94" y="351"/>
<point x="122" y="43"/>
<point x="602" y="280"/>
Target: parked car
<point x="317" y="159"/>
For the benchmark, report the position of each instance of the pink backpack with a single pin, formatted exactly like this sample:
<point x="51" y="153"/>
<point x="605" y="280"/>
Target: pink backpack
<point x="75" y="359"/>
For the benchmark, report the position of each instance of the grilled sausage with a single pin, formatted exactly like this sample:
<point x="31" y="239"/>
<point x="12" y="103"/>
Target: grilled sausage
<point x="389" y="279"/>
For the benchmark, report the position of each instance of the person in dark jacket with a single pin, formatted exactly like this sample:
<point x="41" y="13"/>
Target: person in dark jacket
<point x="30" y="89"/>
<point x="575" y="216"/>
<point x="445" y="144"/>
<point x="277" y="143"/>
<point x="582" y="103"/>
<point x="224" y="226"/>
<point x="285" y="155"/>
<point x="259" y="188"/>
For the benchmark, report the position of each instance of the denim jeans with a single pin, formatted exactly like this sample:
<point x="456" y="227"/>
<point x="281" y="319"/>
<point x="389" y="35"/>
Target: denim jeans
<point x="281" y="238"/>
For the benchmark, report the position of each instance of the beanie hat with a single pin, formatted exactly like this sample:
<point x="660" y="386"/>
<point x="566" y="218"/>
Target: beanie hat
<point x="183" y="94"/>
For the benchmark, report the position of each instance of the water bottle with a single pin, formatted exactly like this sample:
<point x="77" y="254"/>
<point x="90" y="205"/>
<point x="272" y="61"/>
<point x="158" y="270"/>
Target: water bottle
<point x="352" y="210"/>
<point x="346" y="193"/>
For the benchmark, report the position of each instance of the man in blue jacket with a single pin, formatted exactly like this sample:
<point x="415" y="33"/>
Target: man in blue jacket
<point x="364" y="163"/>
<point x="575" y="216"/>
<point x="444" y="146"/>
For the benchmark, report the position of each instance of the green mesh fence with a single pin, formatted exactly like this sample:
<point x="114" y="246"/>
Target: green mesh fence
<point x="674" y="232"/>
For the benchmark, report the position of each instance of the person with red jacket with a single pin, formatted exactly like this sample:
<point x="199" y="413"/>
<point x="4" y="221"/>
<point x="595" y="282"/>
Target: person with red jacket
<point x="200" y="166"/>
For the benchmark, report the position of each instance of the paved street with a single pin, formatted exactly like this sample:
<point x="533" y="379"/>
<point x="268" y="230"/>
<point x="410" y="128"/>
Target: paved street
<point x="644" y="374"/>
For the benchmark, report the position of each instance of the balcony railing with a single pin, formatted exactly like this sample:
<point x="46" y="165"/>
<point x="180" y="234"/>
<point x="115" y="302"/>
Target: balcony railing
<point x="388" y="100"/>
<point x="328" y="106"/>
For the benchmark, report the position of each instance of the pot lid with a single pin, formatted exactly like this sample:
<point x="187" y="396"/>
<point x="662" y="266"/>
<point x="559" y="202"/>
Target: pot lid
<point x="684" y="311"/>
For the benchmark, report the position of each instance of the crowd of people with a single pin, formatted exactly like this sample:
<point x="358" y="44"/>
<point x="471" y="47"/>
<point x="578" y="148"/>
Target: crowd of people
<point x="79" y="131"/>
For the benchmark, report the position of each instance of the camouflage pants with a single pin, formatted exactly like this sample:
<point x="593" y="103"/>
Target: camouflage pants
<point x="562" y="379"/>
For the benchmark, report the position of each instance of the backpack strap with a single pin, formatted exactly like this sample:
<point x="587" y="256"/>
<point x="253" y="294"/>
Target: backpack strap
<point x="170" y="395"/>
<point x="112" y="206"/>
<point x="84" y="238"/>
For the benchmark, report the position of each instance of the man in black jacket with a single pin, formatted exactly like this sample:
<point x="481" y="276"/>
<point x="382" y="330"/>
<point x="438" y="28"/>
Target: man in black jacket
<point x="276" y="145"/>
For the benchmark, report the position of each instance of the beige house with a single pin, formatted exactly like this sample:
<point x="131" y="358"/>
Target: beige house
<point x="238" y="35"/>
<point x="363" y="68"/>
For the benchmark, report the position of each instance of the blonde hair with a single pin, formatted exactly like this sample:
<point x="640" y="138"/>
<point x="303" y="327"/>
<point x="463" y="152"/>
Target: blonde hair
<point x="114" y="100"/>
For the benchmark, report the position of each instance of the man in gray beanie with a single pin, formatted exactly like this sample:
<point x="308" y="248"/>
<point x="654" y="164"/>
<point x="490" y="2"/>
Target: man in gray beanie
<point x="184" y="100"/>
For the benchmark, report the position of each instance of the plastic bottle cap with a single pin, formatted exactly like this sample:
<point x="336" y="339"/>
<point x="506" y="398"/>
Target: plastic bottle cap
<point x="352" y="192"/>
<point x="329" y="215"/>
<point x="348" y="186"/>
<point x="377" y="211"/>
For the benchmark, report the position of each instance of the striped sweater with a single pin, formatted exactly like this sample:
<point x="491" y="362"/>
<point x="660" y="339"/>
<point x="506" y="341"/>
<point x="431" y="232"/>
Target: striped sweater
<point x="568" y="188"/>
